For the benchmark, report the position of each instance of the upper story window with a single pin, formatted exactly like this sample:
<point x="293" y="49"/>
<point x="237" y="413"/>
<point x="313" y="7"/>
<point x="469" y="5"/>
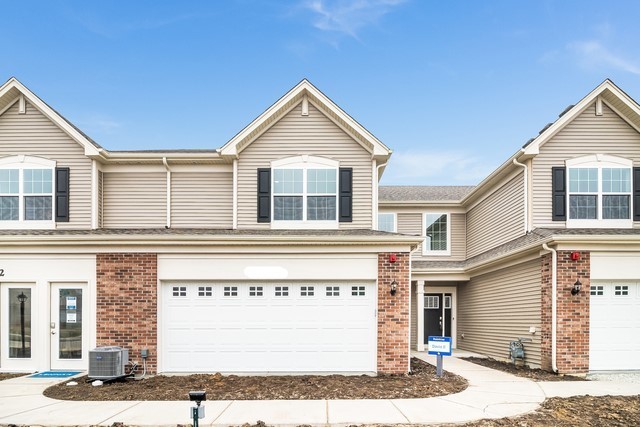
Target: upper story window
<point x="599" y="191"/>
<point x="437" y="232"/>
<point x="26" y="192"/>
<point x="305" y="192"/>
<point x="387" y="222"/>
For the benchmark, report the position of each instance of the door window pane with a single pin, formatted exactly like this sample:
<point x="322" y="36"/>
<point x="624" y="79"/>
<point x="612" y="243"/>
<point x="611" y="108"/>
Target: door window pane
<point x="70" y="338"/>
<point x="9" y="208"/>
<point x="20" y="323"/>
<point x="37" y="208"/>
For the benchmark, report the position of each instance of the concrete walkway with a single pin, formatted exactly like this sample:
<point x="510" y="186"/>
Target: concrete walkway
<point x="491" y="394"/>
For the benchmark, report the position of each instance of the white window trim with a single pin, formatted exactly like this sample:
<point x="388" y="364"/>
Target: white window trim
<point x="22" y="162"/>
<point x="395" y="220"/>
<point x="305" y="163"/>
<point x="428" y="252"/>
<point x="598" y="161"/>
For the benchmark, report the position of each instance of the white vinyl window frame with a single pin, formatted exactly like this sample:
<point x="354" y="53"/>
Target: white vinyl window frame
<point x="305" y="163"/>
<point x="387" y="215"/>
<point x="427" y="251"/>
<point x="599" y="162"/>
<point x="22" y="163"/>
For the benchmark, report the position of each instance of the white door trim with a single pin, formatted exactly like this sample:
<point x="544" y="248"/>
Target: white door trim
<point x="54" y="314"/>
<point x="15" y="364"/>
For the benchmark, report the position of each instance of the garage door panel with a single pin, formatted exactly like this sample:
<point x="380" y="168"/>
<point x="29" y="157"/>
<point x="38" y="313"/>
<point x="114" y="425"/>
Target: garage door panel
<point x="304" y="330"/>
<point x="614" y="342"/>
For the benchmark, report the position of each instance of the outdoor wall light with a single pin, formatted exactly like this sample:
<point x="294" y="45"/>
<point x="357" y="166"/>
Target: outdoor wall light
<point x="394" y="287"/>
<point x="576" y="287"/>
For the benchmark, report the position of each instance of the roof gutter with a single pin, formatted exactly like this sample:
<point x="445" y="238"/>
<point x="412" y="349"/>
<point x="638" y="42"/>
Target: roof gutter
<point x="554" y="304"/>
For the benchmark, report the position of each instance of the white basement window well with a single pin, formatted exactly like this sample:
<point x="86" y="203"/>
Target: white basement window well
<point x="387" y="222"/>
<point x="437" y="234"/>
<point x="26" y="193"/>
<point x="304" y="193"/>
<point x="599" y="192"/>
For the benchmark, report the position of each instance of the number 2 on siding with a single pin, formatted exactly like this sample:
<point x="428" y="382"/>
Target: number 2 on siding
<point x="1" y="272"/>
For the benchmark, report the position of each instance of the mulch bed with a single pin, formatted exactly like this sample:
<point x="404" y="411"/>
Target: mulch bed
<point x="4" y="376"/>
<point x="422" y="382"/>
<point x="522" y="371"/>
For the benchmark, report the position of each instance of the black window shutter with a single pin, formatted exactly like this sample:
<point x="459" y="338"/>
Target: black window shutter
<point x="62" y="195"/>
<point x="636" y="194"/>
<point x="346" y="195"/>
<point x="559" y="200"/>
<point x="264" y="195"/>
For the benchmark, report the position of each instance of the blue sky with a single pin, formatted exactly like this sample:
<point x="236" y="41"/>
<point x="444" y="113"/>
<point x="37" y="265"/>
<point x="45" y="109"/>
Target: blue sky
<point x="453" y="87"/>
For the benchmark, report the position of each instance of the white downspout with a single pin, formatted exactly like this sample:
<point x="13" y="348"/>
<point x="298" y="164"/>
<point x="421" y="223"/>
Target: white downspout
<point x="166" y="165"/>
<point x="375" y="183"/>
<point x="554" y="304"/>
<point x="526" y="195"/>
<point x="234" y="224"/>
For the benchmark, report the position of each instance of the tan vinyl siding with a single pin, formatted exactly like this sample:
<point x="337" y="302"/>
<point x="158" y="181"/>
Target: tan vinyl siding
<point x="134" y="200"/>
<point x="411" y="223"/>
<point x="586" y="134"/>
<point x="295" y="135"/>
<point x="202" y="199"/>
<point x="498" y="218"/>
<point x="498" y="307"/>
<point x="414" y="316"/>
<point x="33" y="134"/>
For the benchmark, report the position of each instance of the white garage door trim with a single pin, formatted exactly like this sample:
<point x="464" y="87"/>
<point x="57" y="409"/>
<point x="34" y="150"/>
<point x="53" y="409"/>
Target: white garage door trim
<point x="614" y="318"/>
<point x="233" y="327"/>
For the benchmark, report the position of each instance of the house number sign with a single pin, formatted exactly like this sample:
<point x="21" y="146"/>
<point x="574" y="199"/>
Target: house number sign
<point x="1" y="272"/>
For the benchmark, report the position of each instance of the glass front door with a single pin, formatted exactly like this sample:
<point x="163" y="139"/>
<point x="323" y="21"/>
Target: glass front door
<point x="67" y="327"/>
<point x="16" y="333"/>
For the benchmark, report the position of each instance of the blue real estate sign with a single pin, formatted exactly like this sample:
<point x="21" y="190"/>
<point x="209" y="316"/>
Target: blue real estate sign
<point x="439" y="346"/>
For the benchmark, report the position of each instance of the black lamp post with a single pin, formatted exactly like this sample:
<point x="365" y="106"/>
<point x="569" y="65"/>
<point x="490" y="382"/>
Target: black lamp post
<point x="22" y="298"/>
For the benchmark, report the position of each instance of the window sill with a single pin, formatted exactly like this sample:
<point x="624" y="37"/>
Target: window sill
<point x="436" y="253"/>
<point x="304" y="225"/>
<point x="599" y="223"/>
<point x="27" y="225"/>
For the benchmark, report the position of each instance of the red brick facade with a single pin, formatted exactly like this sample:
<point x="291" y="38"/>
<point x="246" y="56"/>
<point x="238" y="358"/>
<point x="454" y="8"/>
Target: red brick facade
<point x="572" y="341"/>
<point x="393" y="314"/>
<point x="127" y="303"/>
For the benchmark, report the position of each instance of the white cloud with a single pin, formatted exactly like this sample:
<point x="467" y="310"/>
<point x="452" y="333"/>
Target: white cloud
<point x="348" y="16"/>
<point x="593" y="53"/>
<point x="435" y="168"/>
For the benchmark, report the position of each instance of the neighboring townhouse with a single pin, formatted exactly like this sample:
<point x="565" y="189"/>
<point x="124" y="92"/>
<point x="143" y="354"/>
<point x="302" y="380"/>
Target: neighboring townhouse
<point x="278" y="252"/>
<point x="562" y="213"/>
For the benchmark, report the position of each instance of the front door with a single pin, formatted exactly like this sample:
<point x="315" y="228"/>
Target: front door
<point x="68" y="326"/>
<point x="16" y="332"/>
<point x="437" y="315"/>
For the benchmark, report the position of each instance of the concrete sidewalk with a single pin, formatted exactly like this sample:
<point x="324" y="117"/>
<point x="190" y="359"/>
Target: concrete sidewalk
<point x="491" y="394"/>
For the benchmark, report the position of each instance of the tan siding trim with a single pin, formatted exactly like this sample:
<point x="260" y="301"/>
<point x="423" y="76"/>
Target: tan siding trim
<point x="498" y="307"/>
<point x="33" y="134"/>
<point x="295" y="135"/>
<point x="134" y="200"/>
<point x="497" y="219"/>
<point x="586" y="134"/>
<point x="202" y="200"/>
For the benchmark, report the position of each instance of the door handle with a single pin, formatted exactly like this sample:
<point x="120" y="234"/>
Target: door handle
<point x="53" y="332"/>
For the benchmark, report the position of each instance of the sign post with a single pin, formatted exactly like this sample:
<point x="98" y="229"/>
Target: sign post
<point x="439" y="346"/>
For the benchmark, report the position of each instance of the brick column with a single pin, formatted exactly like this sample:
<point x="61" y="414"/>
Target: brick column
<point x="572" y="340"/>
<point x="393" y="314"/>
<point x="127" y="303"/>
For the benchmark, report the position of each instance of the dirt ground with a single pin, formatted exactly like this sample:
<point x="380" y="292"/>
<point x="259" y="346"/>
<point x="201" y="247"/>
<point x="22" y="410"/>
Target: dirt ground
<point x="8" y="376"/>
<point x="522" y="371"/>
<point x="422" y="382"/>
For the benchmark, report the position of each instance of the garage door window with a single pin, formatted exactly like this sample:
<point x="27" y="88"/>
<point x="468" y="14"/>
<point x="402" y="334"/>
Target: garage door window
<point x="282" y="291"/>
<point x="205" y="291"/>
<point x="333" y="291"/>
<point x="357" y="291"/>
<point x="306" y="291"/>
<point x="597" y="290"/>
<point x="255" y="291"/>
<point x="179" y="291"/>
<point x="230" y="291"/>
<point x="621" y="291"/>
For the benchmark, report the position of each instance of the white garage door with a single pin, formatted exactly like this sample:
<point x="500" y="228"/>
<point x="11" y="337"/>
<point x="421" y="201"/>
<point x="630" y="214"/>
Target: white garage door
<point x="253" y="327"/>
<point x="614" y="343"/>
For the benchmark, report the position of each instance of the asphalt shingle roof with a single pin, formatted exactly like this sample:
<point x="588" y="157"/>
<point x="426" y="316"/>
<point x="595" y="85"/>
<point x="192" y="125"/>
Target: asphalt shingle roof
<point x="423" y="193"/>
